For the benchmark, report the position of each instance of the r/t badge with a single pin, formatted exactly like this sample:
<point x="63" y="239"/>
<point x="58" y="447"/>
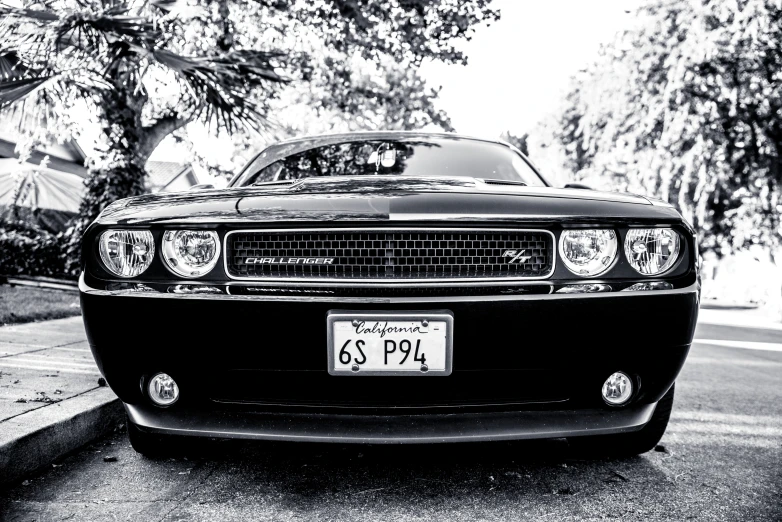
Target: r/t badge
<point x="517" y="256"/>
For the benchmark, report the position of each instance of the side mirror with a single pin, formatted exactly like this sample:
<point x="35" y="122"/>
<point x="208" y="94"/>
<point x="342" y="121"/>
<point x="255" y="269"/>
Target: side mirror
<point x="578" y="186"/>
<point x="202" y="186"/>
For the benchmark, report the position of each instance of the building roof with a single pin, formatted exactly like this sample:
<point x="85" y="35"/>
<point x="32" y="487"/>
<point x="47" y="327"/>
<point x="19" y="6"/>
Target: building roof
<point x="7" y="150"/>
<point x="160" y="174"/>
<point x="14" y="123"/>
<point x="35" y="187"/>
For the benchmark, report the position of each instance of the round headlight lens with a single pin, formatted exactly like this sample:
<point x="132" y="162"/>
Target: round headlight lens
<point x="127" y="253"/>
<point x="652" y="251"/>
<point x="191" y="253"/>
<point x="588" y="252"/>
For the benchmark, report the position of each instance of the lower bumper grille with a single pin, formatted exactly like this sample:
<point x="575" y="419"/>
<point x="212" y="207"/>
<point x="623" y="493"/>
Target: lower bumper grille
<point x="483" y="390"/>
<point x="383" y="255"/>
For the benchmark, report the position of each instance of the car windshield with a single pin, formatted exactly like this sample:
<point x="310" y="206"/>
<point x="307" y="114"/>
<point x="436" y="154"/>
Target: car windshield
<point x="400" y="157"/>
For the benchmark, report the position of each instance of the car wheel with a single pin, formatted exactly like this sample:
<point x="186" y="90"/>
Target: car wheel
<point x="632" y="443"/>
<point x="152" y="445"/>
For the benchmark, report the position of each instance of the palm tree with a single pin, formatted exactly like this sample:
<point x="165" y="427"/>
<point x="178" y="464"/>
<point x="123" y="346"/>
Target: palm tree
<point x="104" y="54"/>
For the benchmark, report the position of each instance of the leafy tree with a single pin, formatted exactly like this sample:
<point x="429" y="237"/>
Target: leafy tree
<point x="520" y="142"/>
<point x="148" y="69"/>
<point x="687" y="106"/>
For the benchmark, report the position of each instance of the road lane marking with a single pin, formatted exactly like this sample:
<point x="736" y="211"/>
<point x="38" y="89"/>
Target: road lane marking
<point x="52" y="358"/>
<point x="715" y="416"/>
<point x="688" y="438"/>
<point x="14" y="343"/>
<point x="49" y="362"/>
<point x="724" y="429"/>
<point x="744" y="345"/>
<point x="4" y="364"/>
<point x="735" y="361"/>
<point x="730" y="318"/>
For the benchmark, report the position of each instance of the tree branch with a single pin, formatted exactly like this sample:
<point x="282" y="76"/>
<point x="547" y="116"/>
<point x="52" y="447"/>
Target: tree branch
<point x="153" y="134"/>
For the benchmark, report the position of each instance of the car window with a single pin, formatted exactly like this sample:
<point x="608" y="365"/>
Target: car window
<point x="408" y="157"/>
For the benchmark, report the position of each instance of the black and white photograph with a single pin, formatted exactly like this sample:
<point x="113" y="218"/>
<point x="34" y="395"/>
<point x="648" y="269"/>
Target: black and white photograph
<point x="390" y="260"/>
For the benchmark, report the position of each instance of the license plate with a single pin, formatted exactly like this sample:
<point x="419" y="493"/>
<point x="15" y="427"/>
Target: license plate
<point x="390" y="343"/>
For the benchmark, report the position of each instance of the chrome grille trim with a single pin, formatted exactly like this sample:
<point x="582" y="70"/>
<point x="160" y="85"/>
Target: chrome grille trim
<point x="294" y="280"/>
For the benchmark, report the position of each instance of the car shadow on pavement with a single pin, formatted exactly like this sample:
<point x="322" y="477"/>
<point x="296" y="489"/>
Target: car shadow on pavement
<point x="451" y="473"/>
<point x="251" y="480"/>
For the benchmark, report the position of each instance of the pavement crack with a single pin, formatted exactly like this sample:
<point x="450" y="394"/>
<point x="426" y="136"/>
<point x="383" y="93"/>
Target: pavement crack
<point x="67" y="344"/>
<point x="42" y="349"/>
<point x="189" y="494"/>
<point x="25" y="353"/>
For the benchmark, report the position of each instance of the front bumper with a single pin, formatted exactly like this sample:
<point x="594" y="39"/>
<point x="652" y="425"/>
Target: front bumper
<point x="525" y="366"/>
<point x="391" y="429"/>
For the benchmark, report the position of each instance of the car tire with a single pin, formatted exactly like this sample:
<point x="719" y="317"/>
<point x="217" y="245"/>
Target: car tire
<point x="153" y="445"/>
<point x="631" y="443"/>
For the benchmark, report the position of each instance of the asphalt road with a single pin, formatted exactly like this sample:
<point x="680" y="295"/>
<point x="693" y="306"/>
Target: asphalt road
<point x="721" y="459"/>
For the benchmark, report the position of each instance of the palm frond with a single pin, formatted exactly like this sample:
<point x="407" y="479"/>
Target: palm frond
<point x="252" y="65"/>
<point x="220" y="86"/>
<point x="30" y="14"/>
<point x="14" y="90"/>
<point x="17" y="80"/>
<point x="11" y="68"/>
<point x="181" y="9"/>
<point x="92" y="30"/>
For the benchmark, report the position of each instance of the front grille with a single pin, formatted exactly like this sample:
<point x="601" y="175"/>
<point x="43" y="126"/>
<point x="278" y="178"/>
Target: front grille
<point x="389" y="254"/>
<point x="391" y="291"/>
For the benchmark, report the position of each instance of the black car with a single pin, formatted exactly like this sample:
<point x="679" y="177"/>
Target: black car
<point x="392" y="287"/>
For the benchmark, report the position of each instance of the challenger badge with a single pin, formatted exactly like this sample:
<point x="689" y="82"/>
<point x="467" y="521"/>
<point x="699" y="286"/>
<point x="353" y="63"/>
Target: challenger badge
<point x="289" y="261"/>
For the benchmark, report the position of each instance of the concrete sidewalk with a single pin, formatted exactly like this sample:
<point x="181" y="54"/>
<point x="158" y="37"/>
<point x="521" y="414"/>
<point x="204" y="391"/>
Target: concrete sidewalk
<point x="50" y="399"/>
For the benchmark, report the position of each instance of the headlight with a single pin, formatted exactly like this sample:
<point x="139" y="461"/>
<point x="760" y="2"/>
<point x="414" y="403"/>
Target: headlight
<point x="651" y="251"/>
<point x="127" y="253"/>
<point x="588" y="252"/>
<point x="191" y="253"/>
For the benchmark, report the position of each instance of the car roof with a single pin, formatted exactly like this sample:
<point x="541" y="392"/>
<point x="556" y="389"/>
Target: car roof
<point x="380" y="135"/>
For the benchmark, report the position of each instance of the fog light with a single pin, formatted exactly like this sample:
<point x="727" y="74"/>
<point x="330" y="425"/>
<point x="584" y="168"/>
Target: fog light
<point x="617" y="389"/>
<point x="163" y="390"/>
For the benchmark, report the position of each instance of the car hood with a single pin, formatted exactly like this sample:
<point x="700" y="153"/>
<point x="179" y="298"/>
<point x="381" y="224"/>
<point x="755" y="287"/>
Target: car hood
<point x="386" y="198"/>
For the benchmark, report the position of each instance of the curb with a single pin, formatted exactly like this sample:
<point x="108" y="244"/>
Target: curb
<point x="34" y="440"/>
<point x="40" y="282"/>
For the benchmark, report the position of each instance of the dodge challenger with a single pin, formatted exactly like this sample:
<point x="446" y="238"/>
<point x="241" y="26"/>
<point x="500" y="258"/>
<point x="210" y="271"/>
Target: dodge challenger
<point x="392" y="287"/>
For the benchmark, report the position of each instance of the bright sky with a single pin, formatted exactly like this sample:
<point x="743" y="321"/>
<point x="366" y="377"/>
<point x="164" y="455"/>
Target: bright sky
<point x="520" y="68"/>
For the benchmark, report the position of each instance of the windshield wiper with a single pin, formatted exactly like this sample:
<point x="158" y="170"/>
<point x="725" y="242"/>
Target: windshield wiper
<point x="503" y="182"/>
